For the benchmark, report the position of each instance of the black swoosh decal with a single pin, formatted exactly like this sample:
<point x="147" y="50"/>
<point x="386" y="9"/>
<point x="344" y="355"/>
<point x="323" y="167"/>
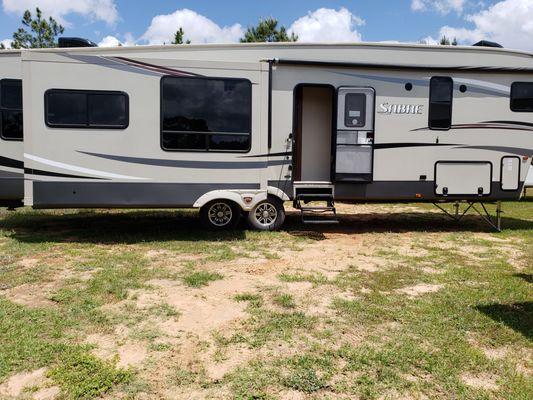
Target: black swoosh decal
<point x="381" y="146"/>
<point x="156" y="68"/>
<point x="485" y="125"/>
<point x="519" y="123"/>
<point x="287" y="153"/>
<point x="190" y="163"/>
<point x="30" y="171"/>
<point x="503" y="149"/>
<point x="11" y="163"/>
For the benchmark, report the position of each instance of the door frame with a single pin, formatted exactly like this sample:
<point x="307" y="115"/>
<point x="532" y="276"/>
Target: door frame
<point x="334" y="139"/>
<point x="297" y="128"/>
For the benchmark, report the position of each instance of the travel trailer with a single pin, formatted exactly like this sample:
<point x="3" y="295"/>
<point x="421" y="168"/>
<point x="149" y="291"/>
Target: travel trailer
<point x="235" y="130"/>
<point x="11" y="146"/>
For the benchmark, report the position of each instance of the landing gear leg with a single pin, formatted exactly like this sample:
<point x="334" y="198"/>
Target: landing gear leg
<point x="495" y="223"/>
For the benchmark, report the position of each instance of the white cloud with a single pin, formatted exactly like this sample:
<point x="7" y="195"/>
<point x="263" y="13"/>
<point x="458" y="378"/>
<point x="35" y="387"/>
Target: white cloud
<point x="442" y="6"/>
<point x="508" y="22"/>
<point x="101" y="10"/>
<point x="197" y="28"/>
<point x="109" y="41"/>
<point x="328" y="25"/>
<point x="6" y="43"/>
<point x="113" y="41"/>
<point x="429" y="40"/>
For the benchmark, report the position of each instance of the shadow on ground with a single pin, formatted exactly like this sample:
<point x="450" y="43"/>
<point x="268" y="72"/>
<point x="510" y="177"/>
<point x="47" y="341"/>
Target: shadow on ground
<point x="88" y="226"/>
<point x="517" y="316"/>
<point x="527" y="277"/>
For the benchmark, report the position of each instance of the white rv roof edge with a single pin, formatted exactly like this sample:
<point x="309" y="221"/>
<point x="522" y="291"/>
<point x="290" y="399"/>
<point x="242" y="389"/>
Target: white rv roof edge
<point x="10" y="51"/>
<point x="219" y="46"/>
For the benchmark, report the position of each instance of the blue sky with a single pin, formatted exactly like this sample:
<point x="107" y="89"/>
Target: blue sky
<point x="139" y="22"/>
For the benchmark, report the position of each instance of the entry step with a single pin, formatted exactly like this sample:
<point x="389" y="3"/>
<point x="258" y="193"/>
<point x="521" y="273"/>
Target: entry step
<point x="313" y="188"/>
<point x="306" y="192"/>
<point x="318" y="215"/>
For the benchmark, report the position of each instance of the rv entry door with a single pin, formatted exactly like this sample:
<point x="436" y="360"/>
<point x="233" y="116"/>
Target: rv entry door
<point x="354" y="139"/>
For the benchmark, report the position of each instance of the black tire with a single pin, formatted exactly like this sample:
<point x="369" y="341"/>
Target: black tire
<point x="220" y="215"/>
<point x="267" y="215"/>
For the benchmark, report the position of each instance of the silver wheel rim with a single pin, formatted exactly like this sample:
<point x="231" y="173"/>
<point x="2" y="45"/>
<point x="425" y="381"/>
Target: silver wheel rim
<point x="266" y="214"/>
<point x="220" y="214"/>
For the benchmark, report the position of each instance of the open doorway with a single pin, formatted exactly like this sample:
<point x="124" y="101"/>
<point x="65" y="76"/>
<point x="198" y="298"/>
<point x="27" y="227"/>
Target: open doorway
<point x="314" y="125"/>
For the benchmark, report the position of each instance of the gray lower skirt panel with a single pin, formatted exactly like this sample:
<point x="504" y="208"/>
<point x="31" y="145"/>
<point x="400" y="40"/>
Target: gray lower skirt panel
<point x="411" y="191"/>
<point x="123" y="194"/>
<point x="399" y="191"/>
<point x="12" y="187"/>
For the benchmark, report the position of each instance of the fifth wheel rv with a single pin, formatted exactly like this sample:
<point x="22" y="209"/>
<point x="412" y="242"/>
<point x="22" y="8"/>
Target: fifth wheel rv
<point x="236" y="130"/>
<point x="11" y="146"/>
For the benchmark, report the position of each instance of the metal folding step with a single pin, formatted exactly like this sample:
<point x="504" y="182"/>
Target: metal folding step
<point x="311" y="192"/>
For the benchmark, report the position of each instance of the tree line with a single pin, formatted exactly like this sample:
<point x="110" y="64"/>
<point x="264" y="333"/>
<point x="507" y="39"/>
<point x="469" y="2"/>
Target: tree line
<point x="39" y="32"/>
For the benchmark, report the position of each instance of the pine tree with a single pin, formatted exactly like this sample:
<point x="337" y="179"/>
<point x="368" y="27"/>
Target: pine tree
<point x="267" y="31"/>
<point x="178" y="37"/>
<point x="36" y="32"/>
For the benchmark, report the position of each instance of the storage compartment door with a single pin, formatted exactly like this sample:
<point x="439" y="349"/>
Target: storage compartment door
<point x="510" y="176"/>
<point x="463" y="178"/>
<point x="353" y="158"/>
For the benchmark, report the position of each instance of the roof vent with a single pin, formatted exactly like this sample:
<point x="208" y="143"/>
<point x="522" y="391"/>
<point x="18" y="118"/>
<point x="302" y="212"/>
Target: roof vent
<point x="75" y="42"/>
<point x="486" y="43"/>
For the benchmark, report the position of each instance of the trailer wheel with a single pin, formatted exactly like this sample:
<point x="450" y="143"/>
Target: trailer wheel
<point x="220" y="214"/>
<point x="267" y="215"/>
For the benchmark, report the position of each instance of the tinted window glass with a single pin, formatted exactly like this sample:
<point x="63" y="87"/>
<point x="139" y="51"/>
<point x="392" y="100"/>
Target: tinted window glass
<point x="355" y="110"/>
<point x="206" y="107"/>
<point x="11" y="125"/>
<point x="440" y="103"/>
<point x="66" y="108"/>
<point x="11" y="109"/>
<point x="86" y="109"/>
<point x="229" y="142"/>
<point x="189" y="141"/>
<point x="107" y="110"/>
<point x="11" y="91"/>
<point x="522" y="97"/>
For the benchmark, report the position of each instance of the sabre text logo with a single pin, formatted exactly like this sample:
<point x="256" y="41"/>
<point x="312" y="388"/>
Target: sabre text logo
<point x="386" y="108"/>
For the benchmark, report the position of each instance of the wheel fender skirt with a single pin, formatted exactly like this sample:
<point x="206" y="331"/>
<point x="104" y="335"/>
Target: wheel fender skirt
<point x="246" y="199"/>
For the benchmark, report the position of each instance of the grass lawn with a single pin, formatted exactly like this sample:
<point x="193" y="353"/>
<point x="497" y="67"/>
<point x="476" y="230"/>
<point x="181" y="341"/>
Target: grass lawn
<point x="395" y="302"/>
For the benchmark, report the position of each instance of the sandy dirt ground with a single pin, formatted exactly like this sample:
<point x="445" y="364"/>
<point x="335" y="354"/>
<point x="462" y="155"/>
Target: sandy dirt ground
<point x="187" y="340"/>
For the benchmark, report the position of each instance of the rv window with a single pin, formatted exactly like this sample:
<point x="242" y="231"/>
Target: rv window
<point x="355" y="110"/>
<point x="108" y="110"/>
<point x="440" y="103"/>
<point x="11" y="109"/>
<point x="522" y="97"/>
<point x="209" y="114"/>
<point x="66" y="109"/>
<point x="86" y="109"/>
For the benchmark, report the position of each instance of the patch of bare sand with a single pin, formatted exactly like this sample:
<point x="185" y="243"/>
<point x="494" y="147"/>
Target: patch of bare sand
<point x="181" y="393"/>
<point x="29" y="262"/>
<point x="16" y="384"/>
<point x="292" y="395"/>
<point x="497" y="353"/>
<point x="235" y="358"/>
<point x="32" y="295"/>
<point x="201" y="310"/>
<point x="420" y="289"/>
<point x="49" y="393"/>
<point x="131" y="354"/>
<point x="358" y="209"/>
<point x="370" y="264"/>
<point x="480" y="381"/>
<point x="105" y="346"/>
